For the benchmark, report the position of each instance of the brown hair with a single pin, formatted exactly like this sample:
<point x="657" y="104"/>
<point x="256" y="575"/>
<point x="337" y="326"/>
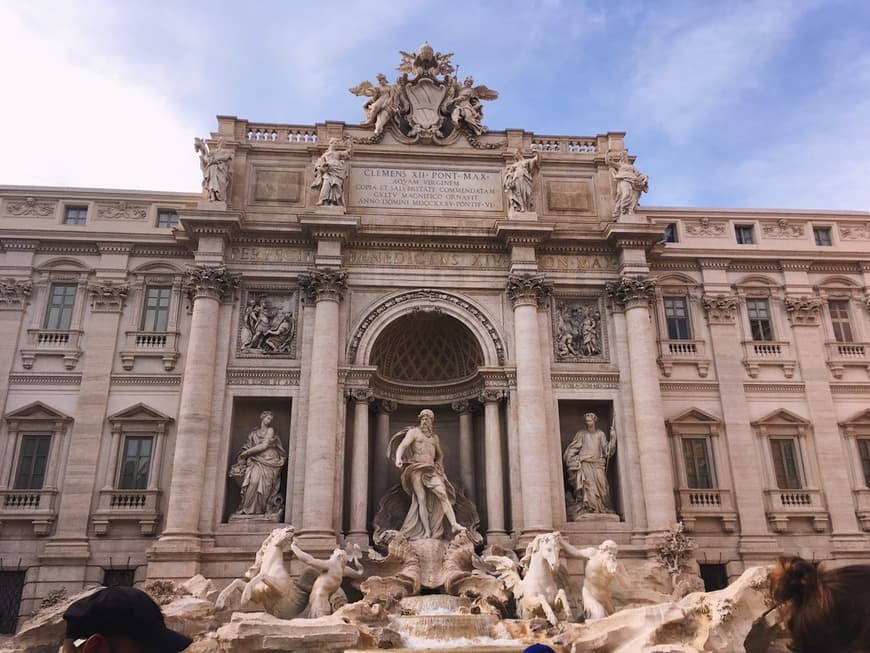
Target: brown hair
<point x="826" y="610"/>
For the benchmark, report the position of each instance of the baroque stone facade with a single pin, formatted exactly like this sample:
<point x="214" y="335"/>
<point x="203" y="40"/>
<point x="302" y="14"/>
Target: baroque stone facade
<point x="731" y="354"/>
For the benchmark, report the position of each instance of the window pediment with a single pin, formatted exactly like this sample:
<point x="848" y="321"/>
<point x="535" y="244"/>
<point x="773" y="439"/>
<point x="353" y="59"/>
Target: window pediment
<point x="37" y="412"/>
<point x="139" y="413"/>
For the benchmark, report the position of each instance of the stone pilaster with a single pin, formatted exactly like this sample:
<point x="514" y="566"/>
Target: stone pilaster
<point x="381" y="469"/>
<point x="635" y="295"/>
<point x="205" y="285"/>
<point x="494" y="465"/>
<point x="527" y="292"/>
<point x="804" y="313"/>
<point x="359" y="466"/>
<point x="721" y="310"/>
<point x="325" y="289"/>
<point x="466" y="446"/>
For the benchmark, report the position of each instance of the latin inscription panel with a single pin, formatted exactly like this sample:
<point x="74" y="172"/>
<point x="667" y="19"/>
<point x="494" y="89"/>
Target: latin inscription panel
<point x="421" y="188"/>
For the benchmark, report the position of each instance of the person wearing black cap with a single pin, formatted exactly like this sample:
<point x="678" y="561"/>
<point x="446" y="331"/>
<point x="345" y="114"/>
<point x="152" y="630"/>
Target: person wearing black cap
<point x="119" y="620"/>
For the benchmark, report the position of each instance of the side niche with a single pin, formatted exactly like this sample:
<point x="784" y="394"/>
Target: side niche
<point x="578" y="332"/>
<point x="268" y="322"/>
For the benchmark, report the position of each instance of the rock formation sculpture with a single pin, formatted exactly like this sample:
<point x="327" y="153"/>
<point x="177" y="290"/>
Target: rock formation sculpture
<point x="326" y="594"/>
<point x="215" y="166"/>
<point x="586" y="459"/>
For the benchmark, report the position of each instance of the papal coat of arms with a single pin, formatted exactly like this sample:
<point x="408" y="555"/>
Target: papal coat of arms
<point x="426" y="102"/>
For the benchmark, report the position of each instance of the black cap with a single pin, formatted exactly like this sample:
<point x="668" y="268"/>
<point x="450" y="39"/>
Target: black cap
<point x="123" y="612"/>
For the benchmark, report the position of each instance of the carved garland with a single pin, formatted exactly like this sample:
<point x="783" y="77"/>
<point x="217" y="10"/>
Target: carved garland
<point x="431" y="296"/>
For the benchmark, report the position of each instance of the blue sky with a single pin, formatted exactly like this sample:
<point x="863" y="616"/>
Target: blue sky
<point x="725" y="104"/>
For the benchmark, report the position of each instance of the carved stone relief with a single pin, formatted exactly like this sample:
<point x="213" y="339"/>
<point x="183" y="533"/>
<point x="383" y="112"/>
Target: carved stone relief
<point x="121" y="211"/>
<point x="855" y="231"/>
<point x="30" y="207"/>
<point x="14" y="293"/>
<point x="804" y="310"/>
<point x="107" y="297"/>
<point x="782" y="228"/>
<point x="577" y="330"/>
<point x="706" y="228"/>
<point x="721" y="309"/>
<point x="268" y="323"/>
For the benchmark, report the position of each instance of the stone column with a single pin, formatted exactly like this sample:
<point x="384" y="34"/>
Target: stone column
<point x="493" y="465"/>
<point x="382" y="438"/>
<point x="206" y="285"/>
<point x="721" y="310"/>
<point x="652" y="441"/>
<point x="325" y="288"/>
<point x="804" y="315"/>
<point x="359" y="467"/>
<point x="526" y="292"/>
<point x="466" y="446"/>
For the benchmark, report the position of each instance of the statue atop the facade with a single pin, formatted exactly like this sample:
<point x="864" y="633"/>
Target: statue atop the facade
<point x="586" y="460"/>
<point x="578" y="330"/>
<point x="330" y="171"/>
<point x="602" y="570"/>
<point x="630" y="183"/>
<point x="417" y="452"/>
<point x="426" y="102"/>
<point x="518" y="180"/>
<point x="258" y="471"/>
<point x="215" y="166"/>
<point x="463" y="103"/>
<point x="326" y="594"/>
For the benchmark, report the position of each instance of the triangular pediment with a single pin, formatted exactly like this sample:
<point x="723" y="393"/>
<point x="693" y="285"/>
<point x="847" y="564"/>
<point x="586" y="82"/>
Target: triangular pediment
<point x="781" y="416"/>
<point x="37" y="411"/>
<point x="694" y="415"/>
<point x="861" y="419"/>
<point x="139" y="413"/>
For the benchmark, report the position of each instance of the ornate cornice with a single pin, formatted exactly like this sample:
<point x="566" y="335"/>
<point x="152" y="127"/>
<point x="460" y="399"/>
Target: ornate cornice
<point x="323" y="285"/>
<point x="107" y="297"/>
<point x="529" y="290"/>
<point x="714" y="263"/>
<point x="20" y="245"/>
<point x="804" y="311"/>
<point x="263" y="376"/>
<point x="146" y="379"/>
<point x="45" y="379"/>
<point x="14" y="294"/>
<point x="360" y="395"/>
<point x="776" y="388"/>
<point x="213" y="281"/>
<point x="585" y="381"/>
<point x="114" y="248"/>
<point x="631" y="292"/>
<point x="683" y="387"/>
<point x="796" y="266"/>
<point x="721" y="308"/>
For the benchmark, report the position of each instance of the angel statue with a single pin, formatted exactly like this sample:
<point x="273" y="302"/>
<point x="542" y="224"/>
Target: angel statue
<point x="326" y="590"/>
<point x="215" y="166"/>
<point x="463" y="103"/>
<point x="384" y="100"/>
<point x="630" y="183"/>
<point x="329" y="173"/>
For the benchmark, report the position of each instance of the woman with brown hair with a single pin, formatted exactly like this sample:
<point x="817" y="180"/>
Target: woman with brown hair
<point x="826" y="611"/>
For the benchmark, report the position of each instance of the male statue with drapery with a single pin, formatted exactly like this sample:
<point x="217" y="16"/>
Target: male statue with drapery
<point x="258" y="471"/>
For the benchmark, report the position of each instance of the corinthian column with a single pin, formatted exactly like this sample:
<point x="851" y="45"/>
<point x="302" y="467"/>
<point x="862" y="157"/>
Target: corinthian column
<point x="206" y="285"/>
<point x="635" y="296"/>
<point x="325" y="288"/>
<point x="359" y="466"/>
<point x="527" y="292"/>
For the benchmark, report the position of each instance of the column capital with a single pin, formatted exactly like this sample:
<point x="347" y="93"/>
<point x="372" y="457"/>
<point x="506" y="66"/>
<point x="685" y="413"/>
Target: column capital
<point x="360" y="395"/>
<point x="632" y="292"/>
<point x="387" y="406"/>
<point x="463" y="406"/>
<point x="14" y="293"/>
<point x="721" y="308"/>
<point x="804" y="310"/>
<point x="528" y="289"/>
<point x="107" y="296"/>
<point x="213" y="281"/>
<point x="491" y="395"/>
<point x="326" y="284"/>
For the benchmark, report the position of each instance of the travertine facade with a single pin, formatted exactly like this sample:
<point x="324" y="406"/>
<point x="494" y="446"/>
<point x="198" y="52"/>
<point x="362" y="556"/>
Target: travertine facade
<point x="137" y="355"/>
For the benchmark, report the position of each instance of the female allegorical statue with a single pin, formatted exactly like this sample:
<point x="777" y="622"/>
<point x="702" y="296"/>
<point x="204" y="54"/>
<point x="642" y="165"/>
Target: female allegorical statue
<point x="586" y="461"/>
<point x="258" y="471"/>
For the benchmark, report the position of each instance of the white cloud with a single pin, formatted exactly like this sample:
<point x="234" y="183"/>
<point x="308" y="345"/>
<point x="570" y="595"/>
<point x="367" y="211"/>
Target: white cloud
<point x="73" y="120"/>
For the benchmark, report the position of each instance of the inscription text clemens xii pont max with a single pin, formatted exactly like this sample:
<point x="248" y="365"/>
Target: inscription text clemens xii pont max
<point x="418" y="188"/>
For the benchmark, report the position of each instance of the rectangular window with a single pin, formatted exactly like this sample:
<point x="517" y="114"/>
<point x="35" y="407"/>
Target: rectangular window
<point x="155" y="310"/>
<point x="75" y="215"/>
<point x="786" y="463"/>
<point x="136" y="462"/>
<point x="670" y="233"/>
<point x="167" y="218"/>
<point x="119" y="577"/>
<point x="677" y="318"/>
<point x="759" y="319"/>
<point x="839" y="309"/>
<point x="822" y="236"/>
<point x="699" y="470"/>
<point x="32" y="462"/>
<point x="745" y="234"/>
<point x="864" y="452"/>
<point x="11" y="587"/>
<point x="61" y="301"/>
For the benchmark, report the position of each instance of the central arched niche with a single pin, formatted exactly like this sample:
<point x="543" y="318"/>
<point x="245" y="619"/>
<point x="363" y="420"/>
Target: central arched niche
<point x="426" y="348"/>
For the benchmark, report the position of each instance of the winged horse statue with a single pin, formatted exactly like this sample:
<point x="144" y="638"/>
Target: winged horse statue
<point x="538" y="580"/>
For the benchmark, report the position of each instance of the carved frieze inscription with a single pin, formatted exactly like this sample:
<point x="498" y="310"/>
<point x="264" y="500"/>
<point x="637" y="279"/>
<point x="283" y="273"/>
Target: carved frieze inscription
<point x="263" y="254"/>
<point x="419" y="188"/>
